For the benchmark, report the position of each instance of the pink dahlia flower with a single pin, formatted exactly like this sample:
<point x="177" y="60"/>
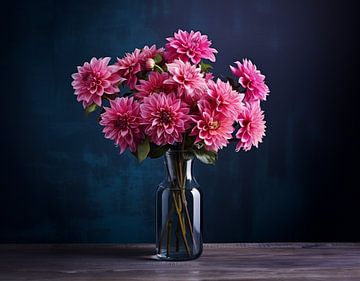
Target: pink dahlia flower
<point x="154" y="84"/>
<point x="150" y="52"/>
<point x="129" y="66"/>
<point x="187" y="77"/>
<point x="121" y="123"/>
<point x="252" y="80"/>
<point x="252" y="128"/>
<point x="165" y="118"/>
<point x="212" y="127"/>
<point x="224" y="99"/>
<point x="189" y="46"/>
<point x="94" y="79"/>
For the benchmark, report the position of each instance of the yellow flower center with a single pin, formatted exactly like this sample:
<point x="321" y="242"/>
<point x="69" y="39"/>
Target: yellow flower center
<point x="214" y="125"/>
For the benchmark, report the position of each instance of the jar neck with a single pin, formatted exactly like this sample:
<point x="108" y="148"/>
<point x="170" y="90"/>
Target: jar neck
<point x="179" y="166"/>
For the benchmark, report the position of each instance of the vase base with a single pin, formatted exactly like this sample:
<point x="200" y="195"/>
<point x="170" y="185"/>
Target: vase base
<point x="177" y="257"/>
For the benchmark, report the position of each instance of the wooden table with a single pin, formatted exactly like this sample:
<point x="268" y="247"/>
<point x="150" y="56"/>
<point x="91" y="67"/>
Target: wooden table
<point x="279" y="261"/>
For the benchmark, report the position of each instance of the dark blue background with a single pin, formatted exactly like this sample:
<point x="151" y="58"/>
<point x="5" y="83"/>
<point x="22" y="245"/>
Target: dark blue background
<point x="61" y="181"/>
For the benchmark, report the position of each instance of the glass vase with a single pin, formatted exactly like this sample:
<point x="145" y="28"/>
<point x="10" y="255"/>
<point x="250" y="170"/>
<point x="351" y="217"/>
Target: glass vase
<point x="178" y="210"/>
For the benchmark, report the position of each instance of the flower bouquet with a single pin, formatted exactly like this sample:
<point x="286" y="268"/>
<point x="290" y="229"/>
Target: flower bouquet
<point x="171" y="105"/>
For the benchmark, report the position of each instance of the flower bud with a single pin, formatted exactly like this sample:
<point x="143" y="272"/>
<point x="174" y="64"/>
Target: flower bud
<point x="150" y="63"/>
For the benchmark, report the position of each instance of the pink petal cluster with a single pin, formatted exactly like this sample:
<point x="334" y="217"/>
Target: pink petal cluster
<point x="212" y="127"/>
<point x="165" y="118"/>
<point x="94" y="79"/>
<point x="224" y="99"/>
<point x="209" y="76"/>
<point x="129" y="66"/>
<point x="188" y="78"/>
<point x="189" y="46"/>
<point x="252" y="80"/>
<point x="121" y="123"/>
<point x="135" y="62"/>
<point x="252" y="128"/>
<point x="150" y="52"/>
<point x="174" y="97"/>
<point x="154" y="84"/>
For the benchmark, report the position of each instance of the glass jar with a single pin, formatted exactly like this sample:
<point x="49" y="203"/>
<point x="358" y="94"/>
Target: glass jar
<point x="178" y="210"/>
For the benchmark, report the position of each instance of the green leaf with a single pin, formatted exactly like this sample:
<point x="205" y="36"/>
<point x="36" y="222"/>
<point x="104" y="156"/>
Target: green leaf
<point x="158" y="58"/>
<point x="199" y="145"/>
<point x="206" y="156"/>
<point x="143" y="150"/>
<point x="205" y="67"/>
<point x="90" y="108"/>
<point x="157" y="151"/>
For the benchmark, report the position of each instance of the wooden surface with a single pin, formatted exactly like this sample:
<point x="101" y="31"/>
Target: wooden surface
<point x="290" y="262"/>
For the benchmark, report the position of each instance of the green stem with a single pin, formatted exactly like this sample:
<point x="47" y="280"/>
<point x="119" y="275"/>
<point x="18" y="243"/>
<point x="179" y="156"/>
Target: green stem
<point x="156" y="67"/>
<point x="182" y="226"/>
<point x="188" y="218"/>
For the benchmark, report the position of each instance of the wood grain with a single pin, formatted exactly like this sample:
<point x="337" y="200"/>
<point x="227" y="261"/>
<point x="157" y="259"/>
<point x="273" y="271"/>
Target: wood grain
<point x="249" y="261"/>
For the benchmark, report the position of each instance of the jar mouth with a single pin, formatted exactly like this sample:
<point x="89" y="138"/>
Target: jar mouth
<point x="177" y="149"/>
<point x="187" y="153"/>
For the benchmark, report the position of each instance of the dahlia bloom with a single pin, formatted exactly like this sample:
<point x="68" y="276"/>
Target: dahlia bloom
<point x="173" y="95"/>
<point x="94" y="79"/>
<point x="129" y="66"/>
<point x="165" y="118"/>
<point x="121" y="123"/>
<point x="150" y="52"/>
<point x="187" y="77"/>
<point x="154" y="84"/>
<point x="189" y="46"/>
<point x="224" y="99"/>
<point x="252" y="128"/>
<point x="212" y="127"/>
<point x="252" y="80"/>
